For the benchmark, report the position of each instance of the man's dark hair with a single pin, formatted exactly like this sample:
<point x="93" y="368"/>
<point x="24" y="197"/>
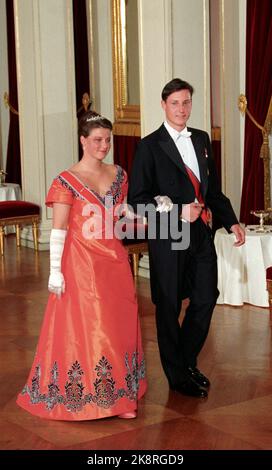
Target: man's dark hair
<point x="175" y="85"/>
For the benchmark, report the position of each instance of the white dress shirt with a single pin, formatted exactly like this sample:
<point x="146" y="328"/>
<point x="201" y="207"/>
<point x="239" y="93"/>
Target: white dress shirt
<point x="185" y="147"/>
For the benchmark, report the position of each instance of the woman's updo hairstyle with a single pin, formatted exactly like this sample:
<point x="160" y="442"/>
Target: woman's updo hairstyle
<point x="92" y="120"/>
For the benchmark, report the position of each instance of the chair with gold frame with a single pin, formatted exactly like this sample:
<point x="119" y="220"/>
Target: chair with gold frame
<point x="135" y="248"/>
<point x="19" y="213"/>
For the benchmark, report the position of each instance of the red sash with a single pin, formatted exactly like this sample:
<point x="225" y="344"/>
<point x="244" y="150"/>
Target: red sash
<point x="79" y="187"/>
<point x="196" y="184"/>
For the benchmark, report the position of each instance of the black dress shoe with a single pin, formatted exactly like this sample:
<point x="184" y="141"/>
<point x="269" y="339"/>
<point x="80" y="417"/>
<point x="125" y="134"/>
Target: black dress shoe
<point x="198" y="377"/>
<point x="190" y="388"/>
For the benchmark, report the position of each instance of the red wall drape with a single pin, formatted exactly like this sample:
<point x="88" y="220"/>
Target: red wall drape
<point x="258" y="93"/>
<point x="124" y="149"/>
<point x="81" y="50"/>
<point x="13" y="166"/>
<point x="81" y="55"/>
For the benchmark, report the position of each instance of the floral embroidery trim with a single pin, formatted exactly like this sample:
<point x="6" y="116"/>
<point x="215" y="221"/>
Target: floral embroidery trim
<point x="111" y="197"/>
<point x="66" y="185"/>
<point x="114" y="193"/>
<point x="105" y="392"/>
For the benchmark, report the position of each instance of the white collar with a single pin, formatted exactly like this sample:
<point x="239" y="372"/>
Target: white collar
<point x="176" y="134"/>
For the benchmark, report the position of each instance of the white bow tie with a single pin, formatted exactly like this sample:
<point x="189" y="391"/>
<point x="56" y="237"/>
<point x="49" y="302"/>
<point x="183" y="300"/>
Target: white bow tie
<point x="184" y="133"/>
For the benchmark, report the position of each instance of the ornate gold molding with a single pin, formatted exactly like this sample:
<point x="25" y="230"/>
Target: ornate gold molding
<point x="8" y="105"/>
<point x="123" y="112"/>
<point x="127" y="128"/>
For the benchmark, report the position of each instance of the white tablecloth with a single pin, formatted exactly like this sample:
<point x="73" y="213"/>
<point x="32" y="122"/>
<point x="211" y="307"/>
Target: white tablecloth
<point x="10" y="192"/>
<point x="242" y="270"/>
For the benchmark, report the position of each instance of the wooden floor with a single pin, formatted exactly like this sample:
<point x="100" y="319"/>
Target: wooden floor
<point x="236" y="358"/>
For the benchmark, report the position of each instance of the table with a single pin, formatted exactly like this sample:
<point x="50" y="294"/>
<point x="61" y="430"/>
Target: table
<point x="242" y="270"/>
<point x="10" y="192"/>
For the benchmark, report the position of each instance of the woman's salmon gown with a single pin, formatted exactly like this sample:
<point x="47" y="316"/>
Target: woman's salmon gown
<point x="89" y="362"/>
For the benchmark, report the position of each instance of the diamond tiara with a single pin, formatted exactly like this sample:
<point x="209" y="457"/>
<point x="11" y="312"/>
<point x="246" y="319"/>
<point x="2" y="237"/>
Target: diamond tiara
<point x="94" y="118"/>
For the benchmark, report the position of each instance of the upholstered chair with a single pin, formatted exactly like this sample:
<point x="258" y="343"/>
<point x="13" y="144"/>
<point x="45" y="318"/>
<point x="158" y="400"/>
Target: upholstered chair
<point x="19" y="213"/>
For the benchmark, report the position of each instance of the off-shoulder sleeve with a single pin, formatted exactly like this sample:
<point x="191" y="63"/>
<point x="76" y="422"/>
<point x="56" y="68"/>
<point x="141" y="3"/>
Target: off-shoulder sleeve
<point x="59" y="192"/>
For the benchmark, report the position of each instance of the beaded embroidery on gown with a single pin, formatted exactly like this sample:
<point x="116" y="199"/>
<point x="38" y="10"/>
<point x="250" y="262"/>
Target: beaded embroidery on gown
<point x="89" y="362"/>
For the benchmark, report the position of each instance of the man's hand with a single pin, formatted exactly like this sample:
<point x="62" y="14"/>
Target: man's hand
<point x="239" y="233"/>
<point x="191" y="212"/>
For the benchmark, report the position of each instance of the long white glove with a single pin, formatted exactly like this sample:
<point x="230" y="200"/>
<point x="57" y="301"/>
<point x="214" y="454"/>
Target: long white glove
<point x="164" y="204"/>
<point x="56" y="282"/>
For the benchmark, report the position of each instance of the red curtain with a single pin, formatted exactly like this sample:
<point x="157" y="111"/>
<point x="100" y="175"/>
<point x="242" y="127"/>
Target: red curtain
<point x="81" y="50"/>
<point x="124" y="148"/>
<point x="13" y="166"/>
<point x="258" y="93"/>
<point x="81" y="56"/>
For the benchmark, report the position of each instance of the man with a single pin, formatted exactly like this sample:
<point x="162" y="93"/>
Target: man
<point x="174" y="165"/>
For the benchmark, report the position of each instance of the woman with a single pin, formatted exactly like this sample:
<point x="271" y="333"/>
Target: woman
<point x="89" y="362"/>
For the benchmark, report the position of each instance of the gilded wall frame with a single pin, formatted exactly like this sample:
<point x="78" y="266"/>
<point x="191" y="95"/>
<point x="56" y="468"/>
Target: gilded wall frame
<point x="127" y="116"/>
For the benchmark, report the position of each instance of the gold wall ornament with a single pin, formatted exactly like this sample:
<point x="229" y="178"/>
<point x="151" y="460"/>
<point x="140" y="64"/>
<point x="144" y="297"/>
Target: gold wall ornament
<point x="8" y="105"/>
<point x="264" y="151"/>
<point x="86" y="102"/>
<point x="242" y="104"/>
<point x="124" y="112"/>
